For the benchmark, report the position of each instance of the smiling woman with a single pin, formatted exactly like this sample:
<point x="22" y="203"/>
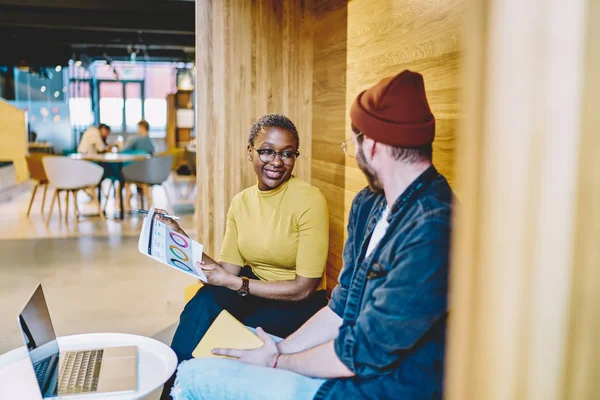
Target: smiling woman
<point x="270" y="269"/>
<point x="275" y="140"/>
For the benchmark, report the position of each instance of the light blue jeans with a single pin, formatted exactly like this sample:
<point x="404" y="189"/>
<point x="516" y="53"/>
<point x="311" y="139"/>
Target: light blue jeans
<point x="228" y="379"/>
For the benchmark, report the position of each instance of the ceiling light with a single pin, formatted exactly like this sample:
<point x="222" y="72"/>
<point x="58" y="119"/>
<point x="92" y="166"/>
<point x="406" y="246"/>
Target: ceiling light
<point x="78" y="63"/>
<point x="58" y="68"/>
<point x="56" y="94"/>
<point x="43" y="89"/>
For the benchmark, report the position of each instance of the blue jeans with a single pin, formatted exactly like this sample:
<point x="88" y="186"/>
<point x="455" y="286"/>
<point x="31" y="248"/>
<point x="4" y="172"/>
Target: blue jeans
<point x="281" y="318"/>
<point x="228" y="379"/>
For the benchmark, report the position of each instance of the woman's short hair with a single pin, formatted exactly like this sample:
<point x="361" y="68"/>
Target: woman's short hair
<point x="273" y="121"/>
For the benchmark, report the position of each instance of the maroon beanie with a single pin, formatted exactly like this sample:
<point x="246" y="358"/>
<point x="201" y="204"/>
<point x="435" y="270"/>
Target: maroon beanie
<point x="395" y="112"/>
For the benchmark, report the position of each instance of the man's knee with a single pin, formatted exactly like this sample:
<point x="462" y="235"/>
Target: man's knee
<point x="209" y="366"/>
<point x="202" y="376"/>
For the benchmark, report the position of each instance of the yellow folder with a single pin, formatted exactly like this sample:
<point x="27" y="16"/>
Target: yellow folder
<point x="226" y="332"/>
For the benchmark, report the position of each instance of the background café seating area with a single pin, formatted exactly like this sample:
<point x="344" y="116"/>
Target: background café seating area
<point x="514" y="90"/>
<point x="67" y="218"/>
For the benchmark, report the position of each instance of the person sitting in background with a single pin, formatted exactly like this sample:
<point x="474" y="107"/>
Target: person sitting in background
<point x="383" y="334"/>
<point x="93" y="140"/>
<point x="273" y="256"/>
<point x="141" y="142"/>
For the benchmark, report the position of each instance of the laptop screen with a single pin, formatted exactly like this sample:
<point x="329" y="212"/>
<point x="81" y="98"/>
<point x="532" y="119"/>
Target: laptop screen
<point x="40" y="340"/>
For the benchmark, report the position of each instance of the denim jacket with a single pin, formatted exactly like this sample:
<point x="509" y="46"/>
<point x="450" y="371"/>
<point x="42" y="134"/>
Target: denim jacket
<point x="394" y="302"/>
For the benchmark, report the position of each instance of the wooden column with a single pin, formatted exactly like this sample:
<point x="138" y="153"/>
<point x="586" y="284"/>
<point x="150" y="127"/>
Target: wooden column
<point x="253" y="58"/>
<point x="329" y="121"/>
<point x="582" y="368"/>
<point x="525" y="295"/>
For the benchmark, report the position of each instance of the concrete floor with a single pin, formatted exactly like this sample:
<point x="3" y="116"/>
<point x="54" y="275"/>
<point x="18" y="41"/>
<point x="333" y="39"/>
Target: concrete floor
<point x="94" y="278"/>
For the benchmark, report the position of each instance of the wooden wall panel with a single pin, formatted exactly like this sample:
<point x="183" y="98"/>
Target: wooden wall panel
<point x="13" y="136"/>
<point x="309" y="61"/>
<point x="365" y="41"/>
<point x="582" y="369"/>
<point x="525" y="244"/>
<point x="386" y="37"/>
<point x="329" y="121"/>
<point x="253" y="57"/>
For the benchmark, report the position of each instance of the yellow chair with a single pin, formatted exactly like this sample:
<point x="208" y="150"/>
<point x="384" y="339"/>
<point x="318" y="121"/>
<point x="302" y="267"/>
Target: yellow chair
<point x="38" y="174"/>
<point x="191" y="290"/>
<point x="178" y="156"/>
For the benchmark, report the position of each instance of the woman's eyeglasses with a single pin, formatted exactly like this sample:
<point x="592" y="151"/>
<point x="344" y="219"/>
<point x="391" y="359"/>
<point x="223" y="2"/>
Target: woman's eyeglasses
<point x="286" y="156"/>
<point x="348" y="145"/>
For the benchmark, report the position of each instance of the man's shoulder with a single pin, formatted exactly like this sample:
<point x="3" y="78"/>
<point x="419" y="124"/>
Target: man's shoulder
<point x="436" y="202"/>
<point x="367" y="198"/>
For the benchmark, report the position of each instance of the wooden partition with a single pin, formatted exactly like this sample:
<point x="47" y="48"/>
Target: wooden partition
<point x="525" y="285"/>
<point x="357" y="44"/>
<point x="13" y="138"/>
<point x="329" y="120"/>
<point x="253" y="58"/>
<point x="309" y="60"/>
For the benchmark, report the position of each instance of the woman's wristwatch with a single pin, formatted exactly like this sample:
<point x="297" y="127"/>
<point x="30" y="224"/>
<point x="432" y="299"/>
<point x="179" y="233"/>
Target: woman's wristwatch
<point x="245" y="289"/>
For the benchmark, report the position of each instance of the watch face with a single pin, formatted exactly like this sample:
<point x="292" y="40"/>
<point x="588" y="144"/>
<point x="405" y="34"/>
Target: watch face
<point x="242" y="293"/>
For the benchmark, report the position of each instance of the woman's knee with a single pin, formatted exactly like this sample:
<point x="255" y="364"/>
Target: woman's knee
<point x="207" y="296"/>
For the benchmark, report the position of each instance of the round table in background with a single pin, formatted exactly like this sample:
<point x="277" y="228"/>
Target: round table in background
<point x="117" y="159"/>
<point x="156" y="364"/>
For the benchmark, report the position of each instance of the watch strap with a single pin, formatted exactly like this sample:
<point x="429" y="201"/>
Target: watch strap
<point x="245" y="289"/>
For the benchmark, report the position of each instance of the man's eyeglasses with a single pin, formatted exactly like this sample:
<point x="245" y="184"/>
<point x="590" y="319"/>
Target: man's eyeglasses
<point x="348" y="145"/>
<point x="286" y="156"/>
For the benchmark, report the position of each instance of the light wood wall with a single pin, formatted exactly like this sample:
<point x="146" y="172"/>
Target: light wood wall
<point x="525" y="288"/>
<point x="13" y="138"/>
<point x="582" y="367"/>
<point x="377" y="39"/>
<point x="386" y="37"/>
<point x="253" y="58"/>
<point x="329" y="120"/>
<point x="256" y="57"/>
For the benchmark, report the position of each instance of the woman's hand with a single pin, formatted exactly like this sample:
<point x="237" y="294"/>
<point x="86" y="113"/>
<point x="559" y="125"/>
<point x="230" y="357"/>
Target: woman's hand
<point x="168" y="221"/>
<point x="218" y="276"/>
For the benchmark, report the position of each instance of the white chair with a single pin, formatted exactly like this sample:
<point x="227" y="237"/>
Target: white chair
<point x="70" y="176"/>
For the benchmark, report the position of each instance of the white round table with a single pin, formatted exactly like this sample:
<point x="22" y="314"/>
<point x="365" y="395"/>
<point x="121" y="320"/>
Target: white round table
<point x="156" y="363"/>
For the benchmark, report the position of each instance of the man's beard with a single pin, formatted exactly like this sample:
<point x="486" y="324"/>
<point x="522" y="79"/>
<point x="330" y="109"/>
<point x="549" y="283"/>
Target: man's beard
<point x="372" y="177"/>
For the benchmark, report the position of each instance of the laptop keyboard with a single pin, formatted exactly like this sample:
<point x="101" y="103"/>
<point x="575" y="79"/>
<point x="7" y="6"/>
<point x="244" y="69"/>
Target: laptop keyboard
<point x="79" y="372"/>
<point x="40" y="369"/>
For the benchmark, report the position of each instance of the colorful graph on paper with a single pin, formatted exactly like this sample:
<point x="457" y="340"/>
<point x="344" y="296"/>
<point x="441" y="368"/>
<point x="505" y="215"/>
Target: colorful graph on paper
<point x="160" y="242"/>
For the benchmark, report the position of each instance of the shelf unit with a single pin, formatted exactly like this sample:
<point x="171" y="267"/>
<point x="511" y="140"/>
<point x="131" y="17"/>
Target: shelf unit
<point x="180" y="118"/>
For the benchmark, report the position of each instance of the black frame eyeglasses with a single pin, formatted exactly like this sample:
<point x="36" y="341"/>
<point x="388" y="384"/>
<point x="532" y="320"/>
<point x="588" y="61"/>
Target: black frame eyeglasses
<point x="268" y="155"/>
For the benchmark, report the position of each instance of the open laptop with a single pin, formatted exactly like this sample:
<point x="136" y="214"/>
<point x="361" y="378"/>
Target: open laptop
<point x="73" y="373"/>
